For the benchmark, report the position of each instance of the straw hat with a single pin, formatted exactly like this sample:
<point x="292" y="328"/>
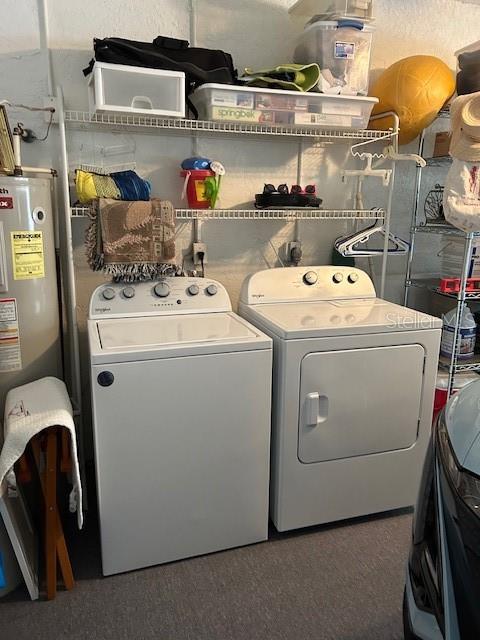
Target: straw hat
<point x="465" y="122"/>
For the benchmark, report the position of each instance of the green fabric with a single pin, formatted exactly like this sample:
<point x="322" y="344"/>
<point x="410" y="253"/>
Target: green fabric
<point x="305" y="77"/>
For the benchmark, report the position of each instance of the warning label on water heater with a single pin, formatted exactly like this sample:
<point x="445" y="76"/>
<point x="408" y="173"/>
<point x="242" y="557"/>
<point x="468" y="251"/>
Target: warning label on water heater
<point x="27" y="255"/>
<point x="10" y="354"/>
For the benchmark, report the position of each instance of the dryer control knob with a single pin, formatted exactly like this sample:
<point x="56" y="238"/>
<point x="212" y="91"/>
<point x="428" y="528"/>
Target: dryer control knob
<point x="129" y="292"/>
<point x="193" y="290"/>
<point x="108" y="293"/>
<point x="338" y="277"/>
<point x="353" y="277"/>
<point x="310" y="277"/>
<point x="161" y="289"/>
<point x="212" y="289"/>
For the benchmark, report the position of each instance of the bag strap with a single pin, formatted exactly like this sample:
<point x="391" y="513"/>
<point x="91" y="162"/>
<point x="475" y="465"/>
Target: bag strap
<point x="89" y="69"/>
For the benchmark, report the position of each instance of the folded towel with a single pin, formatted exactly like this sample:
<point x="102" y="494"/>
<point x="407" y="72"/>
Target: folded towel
<point x="122" y="185"/>
<point x="106" y="187"/>
<point x="30" y="409"/>
<point x="132" y="241"/>
<point x="131" y="186"/>
<point x="290" y="76"/>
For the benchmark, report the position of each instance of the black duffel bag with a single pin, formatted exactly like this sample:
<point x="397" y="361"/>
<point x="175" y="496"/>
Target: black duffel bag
<point x="199" y="65"/>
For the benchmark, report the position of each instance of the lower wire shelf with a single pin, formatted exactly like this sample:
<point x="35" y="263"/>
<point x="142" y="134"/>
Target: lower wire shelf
<point x="431" y="284"/>
<point x="264" y="214"/>
<point x="461" y="366"/>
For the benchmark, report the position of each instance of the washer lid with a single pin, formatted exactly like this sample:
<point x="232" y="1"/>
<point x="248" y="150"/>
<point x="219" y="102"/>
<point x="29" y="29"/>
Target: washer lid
<point x="338" y="317"/>
<point x="120" y="339"/>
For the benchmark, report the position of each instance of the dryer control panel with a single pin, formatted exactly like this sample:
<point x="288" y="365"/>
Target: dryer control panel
<point x="304" y="284"/>
<point x="167" y="296"/>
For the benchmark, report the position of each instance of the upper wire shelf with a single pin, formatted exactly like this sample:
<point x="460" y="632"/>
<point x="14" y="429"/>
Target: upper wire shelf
<point x="84" y="119"/>
<point x="265" y="214"/>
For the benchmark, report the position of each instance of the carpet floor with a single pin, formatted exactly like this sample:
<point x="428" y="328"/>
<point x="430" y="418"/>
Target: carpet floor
<point x="341" y="582"/>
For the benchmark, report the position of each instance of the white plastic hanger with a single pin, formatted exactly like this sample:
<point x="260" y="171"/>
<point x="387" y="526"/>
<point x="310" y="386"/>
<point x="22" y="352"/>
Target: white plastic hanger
<point x="391" y="153"/>
<point x="384" y="174"/>
<point x="346" y="246"/>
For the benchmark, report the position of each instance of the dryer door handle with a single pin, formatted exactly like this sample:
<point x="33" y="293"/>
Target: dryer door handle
<point x="316" y="409"/>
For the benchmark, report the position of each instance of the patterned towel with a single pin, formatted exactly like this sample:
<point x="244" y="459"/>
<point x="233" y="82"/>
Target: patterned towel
<point x="132" y="241"/>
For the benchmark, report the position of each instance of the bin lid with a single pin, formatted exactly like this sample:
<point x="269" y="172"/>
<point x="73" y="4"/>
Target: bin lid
<point x="308" y="8"/>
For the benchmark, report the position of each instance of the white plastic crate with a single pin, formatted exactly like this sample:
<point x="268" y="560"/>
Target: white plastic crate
<point x="136" y="90"/>
<point x="231" y="103"/>
<point x="341" y="50"/>
<point x="334" y="9"/>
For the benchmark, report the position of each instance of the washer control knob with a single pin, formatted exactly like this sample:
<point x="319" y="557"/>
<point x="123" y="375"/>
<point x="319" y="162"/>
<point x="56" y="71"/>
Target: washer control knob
<point x="338" y="277"/>
<point x="193" y="290"/>
<point x="161" y="289"/>
<point x="108" y="293"/>
<point x="310" y="277"/>
<point x="353" y="277"/>
<point x="129" y="292"/>
<point x="212" y="289"/>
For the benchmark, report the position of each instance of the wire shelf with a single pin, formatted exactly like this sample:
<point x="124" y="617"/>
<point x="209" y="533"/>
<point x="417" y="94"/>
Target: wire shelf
<point x="461" y="366"/>
<point x="265" y="214"/>
<point x="443" y="229"/>
<point x="439" y="161"/>
<point x="430" y="285"/>
<point x="84" y="119"/>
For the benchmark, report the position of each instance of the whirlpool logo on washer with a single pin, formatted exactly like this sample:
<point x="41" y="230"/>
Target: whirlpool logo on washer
<point x="102" y="309"/>
<point x="258" y="295"/>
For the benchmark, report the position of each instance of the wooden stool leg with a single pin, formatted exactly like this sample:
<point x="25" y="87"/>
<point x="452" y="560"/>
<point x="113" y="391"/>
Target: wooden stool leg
<point x="61" y="545"/>
<point x="51" y="513"/>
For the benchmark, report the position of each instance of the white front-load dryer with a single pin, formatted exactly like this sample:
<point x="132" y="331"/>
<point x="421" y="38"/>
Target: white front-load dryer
<point x="181" y="395"/>
<point x="353" y="390"/>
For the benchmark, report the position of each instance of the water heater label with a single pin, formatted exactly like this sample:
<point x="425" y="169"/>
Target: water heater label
<point x="10" y="354"/>
<point x="27" y="255"/>
<point x="6" y="202"/>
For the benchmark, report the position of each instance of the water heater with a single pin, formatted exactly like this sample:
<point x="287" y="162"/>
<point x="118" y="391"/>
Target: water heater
<point x="30" y="346"/>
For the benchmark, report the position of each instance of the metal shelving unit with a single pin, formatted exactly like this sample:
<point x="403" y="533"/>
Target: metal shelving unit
<point x="453" y="365"/>
<point x="264" y="214"/>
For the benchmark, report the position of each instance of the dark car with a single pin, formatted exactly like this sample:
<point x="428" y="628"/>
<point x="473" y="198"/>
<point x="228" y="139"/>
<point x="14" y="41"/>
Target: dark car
<point x="442" y="593"/>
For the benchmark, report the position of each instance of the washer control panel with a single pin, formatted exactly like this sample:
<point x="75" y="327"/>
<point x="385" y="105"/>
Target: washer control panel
<point x="303" y="284"/>
<point x="167" y="296"/>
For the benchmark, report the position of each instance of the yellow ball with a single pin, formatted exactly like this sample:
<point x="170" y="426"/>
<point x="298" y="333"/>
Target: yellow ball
<point x="416" y="88"/>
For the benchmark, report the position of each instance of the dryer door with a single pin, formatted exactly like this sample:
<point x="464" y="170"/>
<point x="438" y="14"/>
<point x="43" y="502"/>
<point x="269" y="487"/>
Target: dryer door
<point x="359" y="401"/>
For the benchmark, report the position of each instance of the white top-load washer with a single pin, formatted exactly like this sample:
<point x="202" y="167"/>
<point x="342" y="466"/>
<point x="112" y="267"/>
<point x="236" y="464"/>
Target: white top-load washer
<point x="181" y="397"/>
<point x="353" y="390"/>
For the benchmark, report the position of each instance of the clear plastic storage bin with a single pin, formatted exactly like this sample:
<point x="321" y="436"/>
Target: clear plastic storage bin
<point x="136" y="90"/>
<point x="230" y="103"/>
<point x="334" y="9"/>
<point x="342" y="50"/>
